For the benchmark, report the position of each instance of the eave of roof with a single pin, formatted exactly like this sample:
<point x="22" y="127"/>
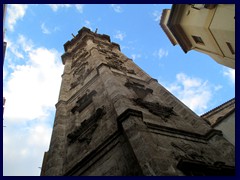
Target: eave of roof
<point x="165" y="28"/>
<point x="176" y="29"/>
<point x="226" y="104"/>
<point x="219" y="120"/>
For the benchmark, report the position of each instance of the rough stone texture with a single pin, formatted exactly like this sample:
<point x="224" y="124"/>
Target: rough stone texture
<point x="114" y="119"/>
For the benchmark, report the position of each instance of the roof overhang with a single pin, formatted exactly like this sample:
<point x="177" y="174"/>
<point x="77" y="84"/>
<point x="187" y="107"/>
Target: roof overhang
<point x="174" y="24"/>
<point x="163" y="24"/>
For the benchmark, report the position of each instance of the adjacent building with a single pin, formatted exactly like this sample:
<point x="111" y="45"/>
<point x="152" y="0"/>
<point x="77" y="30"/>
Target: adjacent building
<point x="112" y="118"/>
<point x="207" y="28"/>
<point x="4" y="43"/>
<point x="223" y="118"/>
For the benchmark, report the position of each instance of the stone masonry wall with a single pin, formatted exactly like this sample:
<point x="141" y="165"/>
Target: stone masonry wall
<point x="112" y="118"/>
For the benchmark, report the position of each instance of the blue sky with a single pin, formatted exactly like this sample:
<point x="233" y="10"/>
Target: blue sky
<point x="32" y="69"/>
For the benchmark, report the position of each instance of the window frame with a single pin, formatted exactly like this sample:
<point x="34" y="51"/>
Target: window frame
<point x="198" y="40"/>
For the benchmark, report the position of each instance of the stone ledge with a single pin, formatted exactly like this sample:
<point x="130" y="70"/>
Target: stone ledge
<point x="127" y="113"/>
<point x="200" y="168"/>
<point x="169" y="130"/>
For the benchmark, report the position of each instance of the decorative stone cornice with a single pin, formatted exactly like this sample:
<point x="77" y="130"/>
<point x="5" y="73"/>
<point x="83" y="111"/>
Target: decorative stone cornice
<point x="127" y="113"/>
<point x="84" y="34"/>
<point x="65" y="56"/>
<point x="59" y="103"/>
<point x="169" y="130"/>
<point x="155" y="108"/>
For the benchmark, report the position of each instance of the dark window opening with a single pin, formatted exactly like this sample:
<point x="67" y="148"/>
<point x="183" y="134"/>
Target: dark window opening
<point x="198" y="40"/>
<point x="230" y="47"/>
<point x="202" y="6"/>
<point x="200" y="168"/>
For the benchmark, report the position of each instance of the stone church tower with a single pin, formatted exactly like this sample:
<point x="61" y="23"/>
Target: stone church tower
<point x="114" y="119"/>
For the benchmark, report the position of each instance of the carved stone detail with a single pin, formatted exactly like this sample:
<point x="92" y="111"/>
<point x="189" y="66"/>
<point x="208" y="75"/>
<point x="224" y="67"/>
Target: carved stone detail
<point x="80" y="53"/>
<point x="106" y="50"/>
<point x="117" y="64"/>
<point x="194" y="160"/>
<point x="131" y="71"/>
<point x="113" y="60"/>
<point x="79" y="66"/>
<point x="79" y="57"/>
<point x="112" y="55"/>
<point x="156" y="109"/>
<point x="83" y="102"/>
<point x="139" y="89"/>
<point x="85" y="131"/>
<point x="78" y="63"/>
<point x="186" y="151"/>
<point x="80" y="74"/>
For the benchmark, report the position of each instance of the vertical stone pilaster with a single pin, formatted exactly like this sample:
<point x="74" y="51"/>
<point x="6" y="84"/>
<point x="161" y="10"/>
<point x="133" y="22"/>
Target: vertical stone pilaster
<point x="56" y="153"/>
<point x="134" y="129"/>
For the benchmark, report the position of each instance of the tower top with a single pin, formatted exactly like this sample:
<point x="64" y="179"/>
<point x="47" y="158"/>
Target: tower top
<point x="86" y="32"/>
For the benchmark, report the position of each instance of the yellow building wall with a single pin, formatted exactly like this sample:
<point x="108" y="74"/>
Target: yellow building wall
<point x="227" y="126"/>
<point x="216" y="27"/>
<point x="223" y="28"/>
<point x="196" y="23"/>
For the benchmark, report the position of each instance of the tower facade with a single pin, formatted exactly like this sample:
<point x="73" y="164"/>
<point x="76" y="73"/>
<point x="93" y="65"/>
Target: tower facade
<point x="112" y="118"/>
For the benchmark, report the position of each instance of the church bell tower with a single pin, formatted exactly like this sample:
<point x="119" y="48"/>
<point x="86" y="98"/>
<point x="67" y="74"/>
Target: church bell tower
<point x="112" y="118"/>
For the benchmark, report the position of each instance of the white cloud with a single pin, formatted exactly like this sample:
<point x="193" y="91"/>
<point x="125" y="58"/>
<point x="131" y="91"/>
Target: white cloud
<point x="20" y="47"/>
<point x="14" y="49"/>
<point x="135" y="56"/>
<point x="5" y="72"/>
<point x="192" y="91"/>
<point x="217" y="87"/>
<point x="116" y="8"/>
<point x="161" y="53"/>
<point x="120" y="35"/>
<point x="23" y="150"/>
<point x="26" y="44"/>
<point x="156" y="15"/>
<point x="55" y="7"/>
<point x="79" y="7"/>
<point x="32" y="89"/>
<point x="45" y="30"/>
<point x="14" y="13"/>
<point x="230" y="74"/>
<point x="87" y="24"/>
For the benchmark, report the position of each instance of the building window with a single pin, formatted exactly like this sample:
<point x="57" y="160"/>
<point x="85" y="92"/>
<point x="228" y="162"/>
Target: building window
<point x="198" y="40"/>
<point x="197" y="6"/>
<point x="230" y="47"/>
<point x="210" y="6"/>
<point x="202" y="6"/>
